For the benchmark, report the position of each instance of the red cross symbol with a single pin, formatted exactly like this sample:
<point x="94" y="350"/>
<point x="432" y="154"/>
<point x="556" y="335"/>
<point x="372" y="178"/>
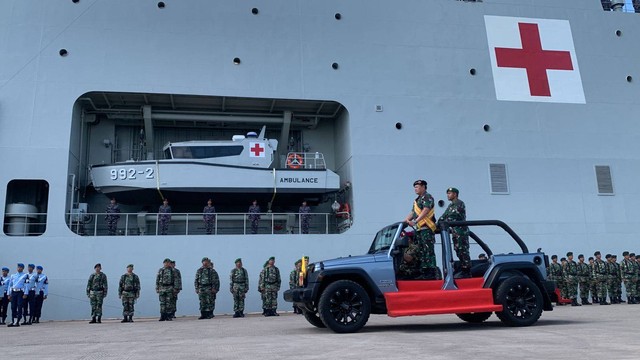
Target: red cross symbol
<point x="256" y="149"/>
<point x="534" y="59"/>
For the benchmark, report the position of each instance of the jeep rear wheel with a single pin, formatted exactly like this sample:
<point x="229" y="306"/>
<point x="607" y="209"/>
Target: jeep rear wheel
<point x="475" y="318"/>
<point x="521" y="301"/>
<point x="313" y="319"/>
<point x="344" y="306"/>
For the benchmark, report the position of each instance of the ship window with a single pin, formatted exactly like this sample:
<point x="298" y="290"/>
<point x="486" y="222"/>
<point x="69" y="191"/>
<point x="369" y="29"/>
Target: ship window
<point x="26" y="207"/>
<point x="603" y="178"/>
<point x="205" y="152"/>
<point x="498" y="175"/>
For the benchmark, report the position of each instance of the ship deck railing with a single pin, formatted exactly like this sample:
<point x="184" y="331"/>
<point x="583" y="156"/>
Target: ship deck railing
<point x="305" y="160"/>
<point x="149" y="224"/>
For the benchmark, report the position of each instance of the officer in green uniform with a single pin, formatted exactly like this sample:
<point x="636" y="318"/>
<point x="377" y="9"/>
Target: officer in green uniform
<point x="128" y="291"/>
<point x="456" y="211"/>
<point x="166" y="287"/>
<point x="97" y="288"/>
<point x="239" y="286"/>
<point x="584" y="279"/>
<point x="593" y="285"/>
<point x="269" y="285"/>
<point x="570" y="275"/>
<point x="554" y="272"/>
<point x="601" y="270"/>
<point x="422" y="218"/>
<point x="294" y="276"/>
<point x="174" y="299"/>
<point x="617" y="280"/>
<point x="629" y="276"/>
<point x="207" y="284"/>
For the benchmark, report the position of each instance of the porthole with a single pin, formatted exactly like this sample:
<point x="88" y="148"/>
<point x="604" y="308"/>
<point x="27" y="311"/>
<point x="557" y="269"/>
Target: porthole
<point x="486" y="127"/>
<point x="472" y="71"/>
<point x="629" y="78"/>
<point x="63" y="52"/>
<point x="335" y="66"/>
<point x="398" y="125"/>
<point x="161" y="5"/>
<point x="255" y="11"/>
<point x="236" y="61"/>
<point x="338" y="16"/>
<point x="441" y="203"/>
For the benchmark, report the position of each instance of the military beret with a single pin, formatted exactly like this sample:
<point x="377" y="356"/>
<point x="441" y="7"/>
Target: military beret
<point x="306" y="258"/>
<point x="297" y="262"/>
<point x="625" y="253"/>
<point x="581" y="256"/>
<point x="205" y="259"/>
<point x="20" y="265"/>
<point x="596" y="253"/>
<point x="130" y="265"/>
<point x="570" y="253"/>
<point x="5" y="269"/>
<point x="563" y="259"/>
<point x="39" y="267"/>
<point x="166" y="260"/>
<point x="452" y="189"/>
<point x="32" y="265"/>
<point x="607" y="256"/>
<point x="554" y="256"/>
<point x="238" y="260"/>
<point x="632" y="254"/>
<point x="591" y="258"/>
<point x="420" y="182"/>
<point x="614" y="256"/>
<point x="272" y="258"/>
<point x="97" y="265"/>
<point x="173" y="262"/>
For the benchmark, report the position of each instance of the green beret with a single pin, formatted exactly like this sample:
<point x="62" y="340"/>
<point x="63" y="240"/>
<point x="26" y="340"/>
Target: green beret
<point x="306" y="258"/>
<point x="238" y="260"/>
<point x="205" y="259"/>
<point x="166" y="260"/>
<point x="625" y="253"/>
<point x="297" y="262"/>
<point x="95" y="267"/>
<point x="420" y="182"/>
<point x="130" y="265"/>
<point x="554" y="257"/>
<point x="632" y="254"/>
<point x="452" y="189"/>
<point x="272" y="258"/>
<point x="570" y="253"/>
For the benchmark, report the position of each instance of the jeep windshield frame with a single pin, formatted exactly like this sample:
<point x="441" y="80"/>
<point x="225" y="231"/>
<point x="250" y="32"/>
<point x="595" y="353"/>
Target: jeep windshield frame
<point x="385" y="238"/>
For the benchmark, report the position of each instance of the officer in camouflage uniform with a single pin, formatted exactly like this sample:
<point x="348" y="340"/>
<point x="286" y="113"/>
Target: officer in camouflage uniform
<point x="456" y="211"/>
<point x="601" y="270"/>
<point x="209" y="216"/>
<point x="305" y="217"/>
<point x="167" y="285"/>
<point x="174" y="304"/>
<point x="410" y="268"/>
<point x="612" y="275"/>
<point x="617" y="278"/>
<point x="164" y="216"/>
<point x="294" y="277"/>
<point x="239" y="286"/>
<point x="269" y="285"/>
<point x="570" y="275"/>
<point x="207" y="284"/>
<point x="422" y="218"/>
<point x="554" y="272"/>
<point x="584" y="279"/>
<point x="97" y="288"/>
<point x="128" y="291"/>
<point x="593" y="285"/>
<point x="254" y="216"/>
<point x="629" y="276"/>
<point x="112" y="217"/>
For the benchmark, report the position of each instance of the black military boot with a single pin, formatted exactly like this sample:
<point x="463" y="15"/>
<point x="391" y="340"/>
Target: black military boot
<point x="236" y="314"/>
<point x="162" y="317"/>
<point x="130" y="318"/>
<point x="274" y="313"/>
<point x="14" y="323"/>
<point x="125" y="319"/>
<point x="211" y="316"/>
<point x="36" y="320"/>
<point x="24" y="320"/>
<point x="93" y="320"/>
<point x="264" y="312"/>
<point x="574" y="302"/>
<point x="2" y="321"/>
<point x="585" y="301"/>
<point x="100" y="319"/>
<point x="168" y="317"/>
<point x="620" y="300"/>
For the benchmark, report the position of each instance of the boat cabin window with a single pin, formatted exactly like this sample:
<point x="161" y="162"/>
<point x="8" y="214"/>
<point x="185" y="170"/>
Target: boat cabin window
<point x="26" y="207"/>
<point x="205" y="152"/>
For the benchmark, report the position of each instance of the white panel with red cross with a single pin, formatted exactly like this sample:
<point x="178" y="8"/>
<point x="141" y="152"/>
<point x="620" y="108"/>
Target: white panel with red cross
<point x="256" y="149"/>
<point x="533" y="60"/>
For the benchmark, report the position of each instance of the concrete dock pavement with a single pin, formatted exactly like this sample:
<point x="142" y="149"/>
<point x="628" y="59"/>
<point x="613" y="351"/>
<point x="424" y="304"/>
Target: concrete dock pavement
<point x="584" y="332"/>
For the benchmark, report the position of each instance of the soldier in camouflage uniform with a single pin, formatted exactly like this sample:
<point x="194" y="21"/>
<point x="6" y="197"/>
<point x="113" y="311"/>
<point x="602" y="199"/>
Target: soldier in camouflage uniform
<point x="174" y="305"/>
<point x="564" y="290"/>
<point x="305" y="217"/>
<point x="637" y="260"/>
<point x="207" y="284"/>
<point x="294" y="277"/>
<point x="129" y="292"/>
<point x="209" y="216"/>
<point x="630" y="276"/>
<point x="422" y="218"/>
<point x="456" y="211"/>
<point x="584" y="279"/>
<point x="410" y="268"/>
<point x="164" y="217"/>
<point x="554" y="272"/>
<point x="269" y="285"/>
<point x="167" y="285"/>
<point x="601" y="270"/>
<point x="97" y="288"/>
<point x="254" y="216"/>
<point x="612" y="275"/>
<point x="112" y="217"/>
<point x="239" y="286"/>
<point x="617" y="279"/>
<point x="570" y="275"/>
<point x="593" y="284"/>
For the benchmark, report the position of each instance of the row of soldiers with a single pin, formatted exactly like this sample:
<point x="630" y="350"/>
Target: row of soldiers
<point x="600" y="278"/>
<point x="169" y="285"/>
<point x="25" y="292"/>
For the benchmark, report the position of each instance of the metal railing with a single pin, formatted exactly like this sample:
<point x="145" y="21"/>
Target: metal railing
<point x="143" y="223"/>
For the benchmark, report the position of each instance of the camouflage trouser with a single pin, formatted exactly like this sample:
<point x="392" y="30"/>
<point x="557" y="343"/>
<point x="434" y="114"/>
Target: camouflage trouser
<point x="270" y="298"/>
<point x="631" y="285"/>
<point x="410" y="268"/>
<point x="593" y="286"/>
<point x="571" y="284"/>
<point x="602" y="287"/>
<point x="163" y="226"/>
<point x="112" y="226"/>
<point x="207" y="299"/>
<point x="208" y="225"/>
<point x="95" y="299"/>
<point x="585" y="285"/>
<point x="461" y="246"/>
<point x="128" y="302"/>
<point x="613" y="284"/>
<point x="304" y="223"/>
<point x="254" y="226"/>
<point x="239" y="292"/>
<point x="425" y="240"/>
<point x="167" y="296"/>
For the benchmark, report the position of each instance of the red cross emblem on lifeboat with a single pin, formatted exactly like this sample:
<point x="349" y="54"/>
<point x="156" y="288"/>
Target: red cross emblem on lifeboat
<point x="256" y="150"/>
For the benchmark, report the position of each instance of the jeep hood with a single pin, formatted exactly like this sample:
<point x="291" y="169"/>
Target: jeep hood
<point x="346" y="261"/>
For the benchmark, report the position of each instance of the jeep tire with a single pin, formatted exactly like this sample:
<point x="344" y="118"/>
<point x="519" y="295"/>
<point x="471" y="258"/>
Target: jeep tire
<point x="521" y="301"/>
<point x="344" y="306"/>
<point x="313" y="319"/>
<point x="475" y="318"/>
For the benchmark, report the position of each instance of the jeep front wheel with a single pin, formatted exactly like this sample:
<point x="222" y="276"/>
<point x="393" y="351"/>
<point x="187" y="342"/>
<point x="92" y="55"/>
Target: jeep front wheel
<point x="313" y="319"/>
<point x="521" y="301"/>
<point x="344" y="306"/>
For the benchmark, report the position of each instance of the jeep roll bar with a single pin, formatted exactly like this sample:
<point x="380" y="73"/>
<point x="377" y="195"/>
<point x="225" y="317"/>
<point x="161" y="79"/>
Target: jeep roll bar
<point x="445" y="224"/>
